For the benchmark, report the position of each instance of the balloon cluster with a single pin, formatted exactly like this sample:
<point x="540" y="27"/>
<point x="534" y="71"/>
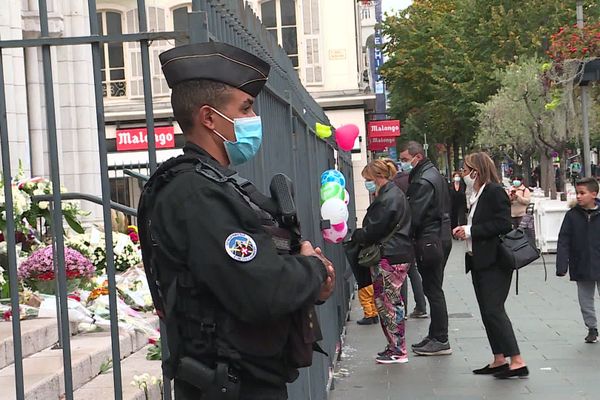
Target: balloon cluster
<point x="334" y="205"/>
<point x="345" y="135"/>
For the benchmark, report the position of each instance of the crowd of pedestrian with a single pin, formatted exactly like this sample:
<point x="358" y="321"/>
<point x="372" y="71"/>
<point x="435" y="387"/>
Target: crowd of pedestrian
<point x="476" y="208"/>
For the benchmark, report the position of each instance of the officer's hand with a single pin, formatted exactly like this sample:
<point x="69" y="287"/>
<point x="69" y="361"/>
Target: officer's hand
<point x="307" y="249"/>
<point x="329" y="284"/>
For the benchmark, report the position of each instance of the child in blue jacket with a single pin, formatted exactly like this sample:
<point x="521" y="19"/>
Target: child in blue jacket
<point x="579" y="250"/>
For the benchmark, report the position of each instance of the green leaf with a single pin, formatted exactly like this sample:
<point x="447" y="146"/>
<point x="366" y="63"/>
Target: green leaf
<point x="74" y="224"/>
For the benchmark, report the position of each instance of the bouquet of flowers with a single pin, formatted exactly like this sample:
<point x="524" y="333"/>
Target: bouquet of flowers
<point x="37" y="271"/>
<point x="28" y="214"/>
<point x="133" y="233"/>
<point x="126" y="253"/>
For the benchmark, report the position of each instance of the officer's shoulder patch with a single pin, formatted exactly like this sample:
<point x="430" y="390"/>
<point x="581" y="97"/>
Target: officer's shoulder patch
<point x="241" y="247"/>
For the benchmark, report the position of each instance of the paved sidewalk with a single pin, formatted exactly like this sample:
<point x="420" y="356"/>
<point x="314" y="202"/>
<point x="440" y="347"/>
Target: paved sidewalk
<point x="548" y="326"/>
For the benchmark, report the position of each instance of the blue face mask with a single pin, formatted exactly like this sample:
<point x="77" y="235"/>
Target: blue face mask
<point x="406" y="166"/>
<point x="370" y="186"/>
<point x="248" y="135"/>
<point x="516" y="183"/>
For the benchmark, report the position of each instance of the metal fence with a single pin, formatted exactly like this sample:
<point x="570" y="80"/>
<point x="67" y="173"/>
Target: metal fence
<point x="290" y="146"/>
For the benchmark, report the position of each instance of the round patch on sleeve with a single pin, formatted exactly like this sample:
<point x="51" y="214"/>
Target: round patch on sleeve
<point x="241" y="247"/>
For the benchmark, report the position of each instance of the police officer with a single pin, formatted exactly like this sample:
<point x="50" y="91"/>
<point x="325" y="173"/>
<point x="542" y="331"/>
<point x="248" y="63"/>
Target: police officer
<point x="238" y="306"/>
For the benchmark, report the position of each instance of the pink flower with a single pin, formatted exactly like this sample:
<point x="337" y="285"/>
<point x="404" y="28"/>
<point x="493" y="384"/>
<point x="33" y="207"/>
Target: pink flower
<point x="40" y="265"/>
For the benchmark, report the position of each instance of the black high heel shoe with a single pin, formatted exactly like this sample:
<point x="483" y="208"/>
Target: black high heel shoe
<point x="487" y="370"/>
<point x="511" y="373"/>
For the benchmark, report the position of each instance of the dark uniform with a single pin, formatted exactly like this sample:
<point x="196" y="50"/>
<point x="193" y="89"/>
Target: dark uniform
<point x="235" y="299"/>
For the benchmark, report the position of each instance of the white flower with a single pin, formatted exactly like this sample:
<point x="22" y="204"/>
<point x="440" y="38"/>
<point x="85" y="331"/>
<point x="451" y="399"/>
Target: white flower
<point x="2" y="280"/>
<point x="38" y="192"/>
<point x="43" y="205"/>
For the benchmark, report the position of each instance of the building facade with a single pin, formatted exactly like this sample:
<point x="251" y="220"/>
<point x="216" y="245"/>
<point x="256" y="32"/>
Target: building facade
<point x="324" y="39"/>
<point x="327" y="43"/>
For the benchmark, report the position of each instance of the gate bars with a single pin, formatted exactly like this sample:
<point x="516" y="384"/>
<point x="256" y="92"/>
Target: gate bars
<point x="289" y="114"/>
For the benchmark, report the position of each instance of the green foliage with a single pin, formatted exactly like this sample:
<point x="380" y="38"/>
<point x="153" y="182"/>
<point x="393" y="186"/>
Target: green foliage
<point x="106" y="366"/>
<point x="444" y="57"/>
<point x="154" y="352"/>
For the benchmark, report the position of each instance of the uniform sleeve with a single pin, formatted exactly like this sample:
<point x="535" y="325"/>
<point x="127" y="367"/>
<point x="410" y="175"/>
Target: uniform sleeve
<point x="421" y="198"/>
<point x="255" y="283"/>
<point x="563" y="246"/>
<point x="500" y="223"/>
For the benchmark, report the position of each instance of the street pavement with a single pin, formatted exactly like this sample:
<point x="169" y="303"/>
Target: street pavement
<point x="549" y="329"/>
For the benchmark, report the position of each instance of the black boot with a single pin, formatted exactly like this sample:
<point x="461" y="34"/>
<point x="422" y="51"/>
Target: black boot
<point x="368" y="320"/>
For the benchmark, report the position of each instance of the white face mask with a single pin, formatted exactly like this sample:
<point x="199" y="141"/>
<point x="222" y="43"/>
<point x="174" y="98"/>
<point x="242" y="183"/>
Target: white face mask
<point x="470" y="181"/>
<point x="457" y="179"/>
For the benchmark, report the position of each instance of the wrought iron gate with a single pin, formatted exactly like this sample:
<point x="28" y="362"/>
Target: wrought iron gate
<point x="289" y="115"/>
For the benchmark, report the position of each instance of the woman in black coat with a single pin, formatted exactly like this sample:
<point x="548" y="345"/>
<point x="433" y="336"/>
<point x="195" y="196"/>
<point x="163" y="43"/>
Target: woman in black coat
<point x="387" y="223"/>
<point x="489" y="217"/>
<point x="458" y="199"/>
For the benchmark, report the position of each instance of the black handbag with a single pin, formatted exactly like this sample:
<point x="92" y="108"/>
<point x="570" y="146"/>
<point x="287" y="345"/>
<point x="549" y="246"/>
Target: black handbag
<point x="369" y="256"/>
<point x="517" y="251"/>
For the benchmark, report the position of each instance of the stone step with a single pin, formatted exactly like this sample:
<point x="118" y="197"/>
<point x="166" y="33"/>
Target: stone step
<point x="43" y="371"/>
<point x="102" y="386"/>
<point x="36" y="335"/>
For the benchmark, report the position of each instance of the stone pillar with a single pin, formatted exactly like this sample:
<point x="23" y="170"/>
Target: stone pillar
<point x="15" y="89"/>
<point x="73" y="97"/>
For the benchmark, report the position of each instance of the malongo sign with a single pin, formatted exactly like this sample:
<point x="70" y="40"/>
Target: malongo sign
<point x="385" y="128"/>
<point x="137" y="138"/>
<point x="382" y="134"/>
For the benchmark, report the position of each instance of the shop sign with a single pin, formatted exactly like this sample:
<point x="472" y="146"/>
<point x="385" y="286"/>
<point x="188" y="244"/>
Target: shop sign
<point x="137" y="138"/>
<point x="380" y="143"/>
<point x="385" y="128"/>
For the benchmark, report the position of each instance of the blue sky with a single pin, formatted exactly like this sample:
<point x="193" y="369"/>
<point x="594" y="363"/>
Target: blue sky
<point x="389" y="5"/>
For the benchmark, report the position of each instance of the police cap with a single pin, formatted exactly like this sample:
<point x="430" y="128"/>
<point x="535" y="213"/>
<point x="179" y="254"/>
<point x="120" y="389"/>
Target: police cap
<point x="215" y="61"/>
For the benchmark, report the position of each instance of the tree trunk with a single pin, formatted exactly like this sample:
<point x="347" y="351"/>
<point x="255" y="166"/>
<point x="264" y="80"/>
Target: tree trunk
<point x="527" y="169"/>
<point x="545" y="178"/>
<point x="455" y="150"/>
<point x="563" y="170"/>
<point x="448" y="162"/>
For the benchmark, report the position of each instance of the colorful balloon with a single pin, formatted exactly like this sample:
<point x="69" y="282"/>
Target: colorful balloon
<point x="333" y="235"/>
<point x="331" y="190"/>
<point x="345" y="136"/>
<point x="346" y="197"/>
<point x="333" y="175"/>
<point x="322" y="131"/>
<point x="335" y="211"/>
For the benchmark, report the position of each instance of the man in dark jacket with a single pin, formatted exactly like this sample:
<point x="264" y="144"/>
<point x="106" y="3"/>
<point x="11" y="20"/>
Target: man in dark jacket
<point x="579" y="250"/>
<point x="430" y="208"/>
<point x="232" y="297"/>
<point x="416" y="283"/>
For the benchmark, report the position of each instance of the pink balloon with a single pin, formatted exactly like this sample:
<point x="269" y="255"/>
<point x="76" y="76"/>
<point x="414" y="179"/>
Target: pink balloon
<point x="339" y="227"/>
<point x="332" y="235"/>
<point x="345" y="136"/>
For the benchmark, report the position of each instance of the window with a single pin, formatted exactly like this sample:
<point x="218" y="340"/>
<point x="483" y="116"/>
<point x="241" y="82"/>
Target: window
<point x="313" y="72"/>
<point x="156" y="23"/>
<point x="279" y="17"/>
<point x="112" y="57"/>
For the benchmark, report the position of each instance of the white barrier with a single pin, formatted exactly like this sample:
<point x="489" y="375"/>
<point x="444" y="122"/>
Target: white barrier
<point x="548" y="217"/>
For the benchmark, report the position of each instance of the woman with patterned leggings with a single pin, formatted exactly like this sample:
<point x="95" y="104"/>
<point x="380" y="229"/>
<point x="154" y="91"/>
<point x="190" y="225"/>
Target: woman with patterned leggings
<point x="388" y="222"/>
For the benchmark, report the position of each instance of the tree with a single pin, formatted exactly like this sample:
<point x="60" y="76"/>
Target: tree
<point x="443" y="56"/>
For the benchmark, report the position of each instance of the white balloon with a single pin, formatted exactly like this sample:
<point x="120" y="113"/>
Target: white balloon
<point x="334" y="210"/>
<point x="332" y="235"/>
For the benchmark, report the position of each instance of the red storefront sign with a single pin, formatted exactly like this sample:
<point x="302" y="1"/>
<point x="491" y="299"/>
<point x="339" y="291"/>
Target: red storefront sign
<point x="137" y="138"/>
<point x="386" y="128"/>
<point x="380" y="143"/>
